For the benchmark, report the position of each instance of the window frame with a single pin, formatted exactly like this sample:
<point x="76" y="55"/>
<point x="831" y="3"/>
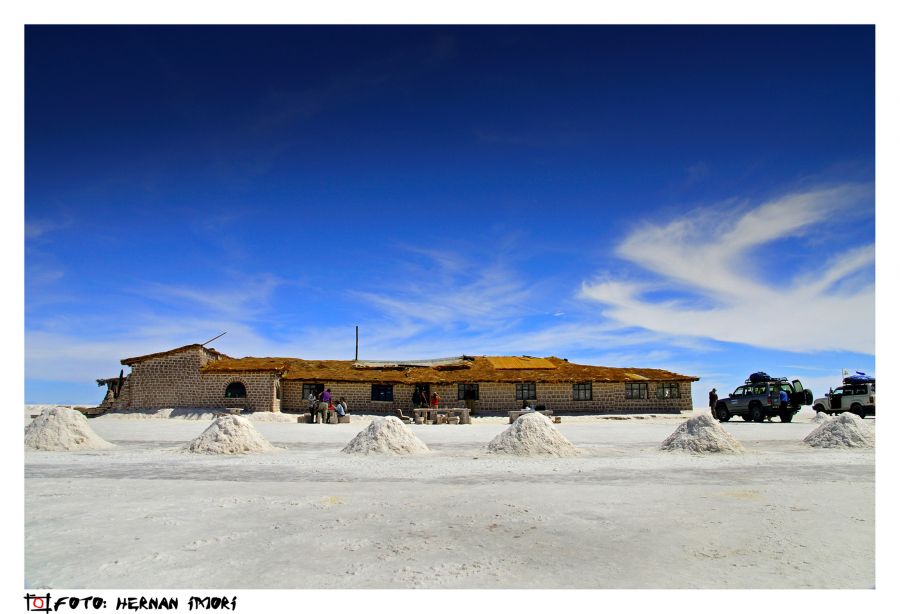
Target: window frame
<point x="522" y="387"/>
<point x="581" y="385"/>
<point x="388" y="389"/>
<point x="310" y="387"/>
<point x="239" y="383"/>
<point x="631" y="387"/>
<point x="461" y="392"/>
<point x="673" y="387"/>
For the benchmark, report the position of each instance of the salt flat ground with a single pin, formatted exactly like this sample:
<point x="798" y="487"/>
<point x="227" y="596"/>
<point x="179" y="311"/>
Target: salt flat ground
<point x="622" y="515"/>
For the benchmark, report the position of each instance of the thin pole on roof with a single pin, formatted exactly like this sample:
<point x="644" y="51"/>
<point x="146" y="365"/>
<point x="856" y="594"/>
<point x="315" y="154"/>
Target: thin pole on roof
<point x="213" y="339"/>
<point x="356" y="354"/>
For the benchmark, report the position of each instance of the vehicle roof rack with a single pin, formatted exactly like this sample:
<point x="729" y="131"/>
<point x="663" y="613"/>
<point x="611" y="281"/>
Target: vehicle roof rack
<point x="771" y="379"/>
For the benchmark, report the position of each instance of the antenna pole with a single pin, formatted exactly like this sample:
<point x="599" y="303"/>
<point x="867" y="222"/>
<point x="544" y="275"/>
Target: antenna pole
<point x="356" y="355"/>
<point x="213" y="339"/>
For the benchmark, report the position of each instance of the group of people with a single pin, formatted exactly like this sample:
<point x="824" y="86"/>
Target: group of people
<point x="421" y="399"/>
<point x="321" y="405"/>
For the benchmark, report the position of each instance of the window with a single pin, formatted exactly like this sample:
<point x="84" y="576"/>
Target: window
<point x="467" y="392"/>
<point x="668" y="390"/>
<point x="582" y="392"/>
<point x="235" y="390"/>
<point x="636" y="391"/>
<point x="525" y="391"/>
<point x="312" y="389"/>
<point x="382" y="392"/>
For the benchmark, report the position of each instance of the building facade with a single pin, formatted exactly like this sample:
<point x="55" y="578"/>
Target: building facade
<point x="194" y="376"/>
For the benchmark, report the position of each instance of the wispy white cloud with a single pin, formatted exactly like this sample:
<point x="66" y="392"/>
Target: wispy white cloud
<point x="455" y="292"/>
<point x="708" y="255"/>
<point x="38" y="228"/>
<point x="241" y="298"/>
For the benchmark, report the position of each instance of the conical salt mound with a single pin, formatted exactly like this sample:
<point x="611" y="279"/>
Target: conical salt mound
<point x="820" y="417"/>
<point x="532" y="434"/>
<point x="702" y="435"/>
<point x="845" y="431"/>
<point x="230" y="435"/>
<point x="386" y="435"/>
<point x="61" y="428"/>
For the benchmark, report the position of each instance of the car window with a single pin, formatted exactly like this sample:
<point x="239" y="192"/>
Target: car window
<point x="839" y="390"/>
<point x="739" y="391"/>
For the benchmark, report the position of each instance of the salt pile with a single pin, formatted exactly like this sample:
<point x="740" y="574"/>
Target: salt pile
<point x="230" y="435"/>
<point x="845" y="431"/>
<point x="60" y="428"/>
<point x="532" y="434"/>
<point x="820" y="417"/>
<point x="386" y="435"/>
<point x="702" y="435"/>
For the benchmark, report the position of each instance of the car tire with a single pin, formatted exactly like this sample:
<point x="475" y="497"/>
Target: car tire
<point x="756" y="413"/>
<point x="857" y="409"/>
<point x="786" y="416"/>
<point x="723" y="414"/>
<point x="819" y="409"/>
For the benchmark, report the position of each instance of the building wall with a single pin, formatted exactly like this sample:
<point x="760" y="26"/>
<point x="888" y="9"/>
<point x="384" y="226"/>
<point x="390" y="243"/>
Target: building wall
<point x="167" y="381"/>
<point x="260" y="391"/>
<point x="175" y="381"/>
<point x="606" y="397"/>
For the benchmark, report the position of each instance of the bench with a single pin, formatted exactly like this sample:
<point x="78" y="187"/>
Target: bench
<point x="432" y="414"/>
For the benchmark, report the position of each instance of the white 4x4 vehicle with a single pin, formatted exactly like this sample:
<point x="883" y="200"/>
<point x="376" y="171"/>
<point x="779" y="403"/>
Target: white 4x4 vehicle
<point x="856" y="398"/>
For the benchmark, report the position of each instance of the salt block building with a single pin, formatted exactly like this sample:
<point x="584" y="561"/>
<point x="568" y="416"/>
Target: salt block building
<point x="197" y="376"/>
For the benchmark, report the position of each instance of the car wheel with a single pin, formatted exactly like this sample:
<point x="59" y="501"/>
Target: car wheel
<point x="857" y="409"/>
<point x="786" y="416"/>
<point x="723" y="415"/>
<point x="819" y="409"/>
<point x="756" y="413"/>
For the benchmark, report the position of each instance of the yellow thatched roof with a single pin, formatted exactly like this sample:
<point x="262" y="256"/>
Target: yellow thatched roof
<point x="468" y="369"/>
<point x="519" y="362"/>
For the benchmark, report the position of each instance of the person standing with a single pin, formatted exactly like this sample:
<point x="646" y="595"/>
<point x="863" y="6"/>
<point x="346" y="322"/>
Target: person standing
<point x="312" y="404"/>
<point x="784" y="399"/>
<point x="324" y="401"/>
<point x="435" y="400"/>
<point x="713" y="399"/>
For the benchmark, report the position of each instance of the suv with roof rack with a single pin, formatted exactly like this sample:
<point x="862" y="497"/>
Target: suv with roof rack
<point x="857" y="396"/>
<point x="758" y="399"/>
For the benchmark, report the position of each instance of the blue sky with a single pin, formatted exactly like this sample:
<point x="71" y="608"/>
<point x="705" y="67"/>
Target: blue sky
<point x="699" y="199"/>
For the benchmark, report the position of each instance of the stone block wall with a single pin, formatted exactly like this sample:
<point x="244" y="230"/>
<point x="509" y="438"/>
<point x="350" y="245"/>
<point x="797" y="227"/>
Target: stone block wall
<point x="260" y="391"/>
<point x="172" y="380"/>
<point x="606" y="397"/>
<point x="292" y="396"/>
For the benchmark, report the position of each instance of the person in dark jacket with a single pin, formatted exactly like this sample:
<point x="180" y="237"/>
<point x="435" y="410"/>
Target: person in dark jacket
<point x="713" y="399"/>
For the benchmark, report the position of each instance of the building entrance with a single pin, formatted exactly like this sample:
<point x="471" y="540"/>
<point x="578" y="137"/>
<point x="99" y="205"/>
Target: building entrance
<point x="421" y="395"/>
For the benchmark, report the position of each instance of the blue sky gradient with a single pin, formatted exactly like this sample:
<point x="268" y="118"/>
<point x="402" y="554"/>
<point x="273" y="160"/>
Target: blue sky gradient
<point x="699" y="199"/>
